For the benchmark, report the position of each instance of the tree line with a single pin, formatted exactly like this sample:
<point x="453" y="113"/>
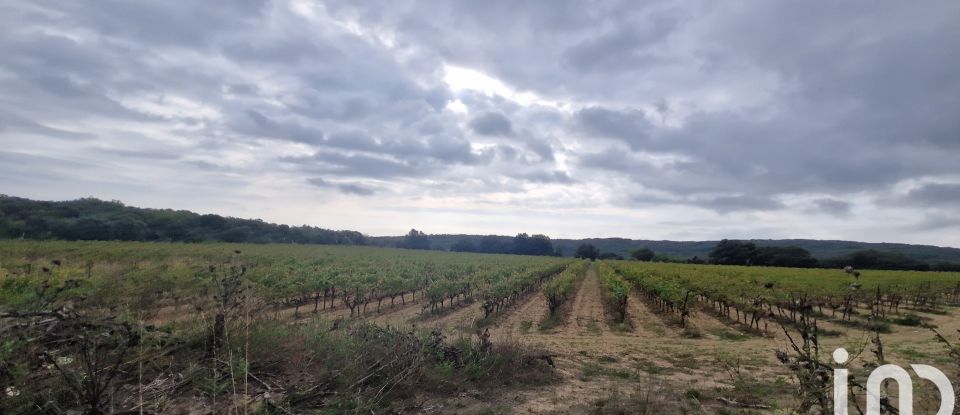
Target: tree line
<point x="734" y="252"/>
<point x="94" y="219"/>
<point x="522" y="244"/>
<point x="99" y="220"/>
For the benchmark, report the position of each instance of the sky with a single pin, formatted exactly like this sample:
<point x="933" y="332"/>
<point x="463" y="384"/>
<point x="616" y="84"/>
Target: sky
<point x="683" y="120"/>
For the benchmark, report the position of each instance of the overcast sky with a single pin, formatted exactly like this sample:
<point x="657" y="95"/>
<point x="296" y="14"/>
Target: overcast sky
<point x="656" y="120"/>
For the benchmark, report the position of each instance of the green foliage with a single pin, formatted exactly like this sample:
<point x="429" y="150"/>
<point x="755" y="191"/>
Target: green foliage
<point x="415" y="240"/>
<point x="755" y="290"/>
<point x="616" y="291"/>
<point x="729" y="252"/>
<point x="587" y="251"/>
<point x="642" y="254"/>
<point x="524" y="244"/>
<point x="784" y="256"/>
<point x="873" y="259"/>
<point x="610" y="255"/>
<point x="561" y="287"/>
<point x="146" y="278"/>
<point x="98" y="220"/>
<point x="464" y="245"/>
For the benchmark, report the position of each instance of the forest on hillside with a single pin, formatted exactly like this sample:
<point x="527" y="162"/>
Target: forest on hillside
<point x="99" y="220"/>
<point x="94" y="219"/>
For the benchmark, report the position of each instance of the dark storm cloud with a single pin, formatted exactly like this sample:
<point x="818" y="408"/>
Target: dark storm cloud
<point x="491" y="123"/>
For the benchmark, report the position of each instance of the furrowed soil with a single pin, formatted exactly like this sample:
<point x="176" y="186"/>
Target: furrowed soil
<point x="522" y="318"/>
<point x="653" y="363"/>
<point x="588" y="315"/>
<point x="460" y="319"/>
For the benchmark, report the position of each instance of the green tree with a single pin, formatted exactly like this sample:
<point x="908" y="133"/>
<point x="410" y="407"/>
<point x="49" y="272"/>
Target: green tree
<point x="492" y="244"/>
<point x="524" y="244"/>
<point x="610" y="255"/>
<point x="463" y="245"/>
<point x="642" y="254"/>
<point x="732" y="252"/>
<point x="785" y="256"/>
<point x="415" y="240"/>
<point x="587" y="251"/>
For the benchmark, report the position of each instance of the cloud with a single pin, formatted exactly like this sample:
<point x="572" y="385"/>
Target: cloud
<point x="833" y="207"/>
<point x="348" y="188"/>
<point x="627" y="46"/>
<point x="668" y="110"/>
<point x="936" y="222"/>
<point x="934" y="195"/>
<point x="256" y="124"/>
<point x="547" y="177"/>
<point x="11" y="122"/>
<point x="491" y="123"/>
<point x="358" y="165"/>
<point x="725" y="204"/>
<point x="631" y="126"/>
<point x="542" y="149"/>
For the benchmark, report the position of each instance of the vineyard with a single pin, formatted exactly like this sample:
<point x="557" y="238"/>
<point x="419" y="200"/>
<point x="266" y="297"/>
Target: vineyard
<point x="149" y="279"/>
<point x="759" y="295"/>
<point x="105" y="327"/>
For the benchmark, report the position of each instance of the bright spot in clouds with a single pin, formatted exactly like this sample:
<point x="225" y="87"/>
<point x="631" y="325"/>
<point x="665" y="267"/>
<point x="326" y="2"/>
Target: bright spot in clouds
<point x="660" y="120"/>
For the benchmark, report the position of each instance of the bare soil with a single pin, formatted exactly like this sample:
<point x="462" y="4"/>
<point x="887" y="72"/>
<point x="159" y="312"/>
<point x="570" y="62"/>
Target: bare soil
<point x="598" y="362"/>
<point x="588" y="316"/>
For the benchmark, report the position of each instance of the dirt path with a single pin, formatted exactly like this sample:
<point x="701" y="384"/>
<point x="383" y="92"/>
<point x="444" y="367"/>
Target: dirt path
<point x="702" y="322"/>
<point x="524" y="317"/>
<point x="643" y="321"/>
<point x="596" y="362"/>
<point x="588" y="315"/>
<point x="459" y="320"/>
<point x="400" y="315"/>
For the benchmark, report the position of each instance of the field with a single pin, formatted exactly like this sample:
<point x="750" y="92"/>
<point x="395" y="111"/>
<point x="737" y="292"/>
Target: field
<point x="227" y="328"/>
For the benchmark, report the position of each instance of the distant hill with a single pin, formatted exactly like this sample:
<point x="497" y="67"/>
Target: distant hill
<point x="94" y="219"/>
<point x="688" y="249"/>
<point x="99" y="220"/>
